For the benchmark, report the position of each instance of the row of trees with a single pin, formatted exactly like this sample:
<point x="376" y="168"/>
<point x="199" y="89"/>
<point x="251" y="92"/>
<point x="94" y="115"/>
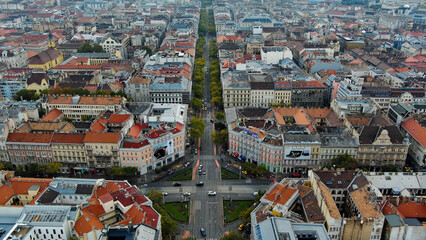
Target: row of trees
<point x="32" y="95"/>
<point x="198" y="80"/>
<point x="211" y="26"/>
<point x="202" y="26"/>
<point x="213" y="49"/>
<point x="124" y="171"/>
<point x="197" y="126"/>
<point x="199" y="49"/>
<point x="215" y="84"/>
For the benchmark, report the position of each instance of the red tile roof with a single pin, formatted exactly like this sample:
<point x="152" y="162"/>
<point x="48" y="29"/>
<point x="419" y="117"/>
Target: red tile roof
<point x="68" y="138"/>
<point x="87" y="222"/>
<point x="280" y="194"/>
<point x="413" y="209"/>
<point x="105" y="198"/>
<point x="29" y="137"/>
<point x="119" y="118"/>
<point x="92" y="137"/>
<point x="100" y="100"/>
<point x="52" y="116"/>
<point x="6" y="193"/>
<point x="416" y="130"/>
<point x="135" y="145"/>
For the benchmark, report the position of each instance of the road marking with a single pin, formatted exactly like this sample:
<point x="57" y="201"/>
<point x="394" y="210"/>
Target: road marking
<point x="195" y="169"/>
<point x="186" y="235"/>
<point x="198" y="205"/>
<point x="217" y="163"/>
<point x="214" y="149"/>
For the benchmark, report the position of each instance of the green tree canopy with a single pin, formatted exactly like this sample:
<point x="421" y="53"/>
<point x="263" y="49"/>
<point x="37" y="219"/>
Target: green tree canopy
<point x="220" y="116"/>
<point x="147" y="49"/>
<point x="197" y="127"/>
<point x="155" y="196"/>
<point x="53" y="167"/>
<point x="344" y="161"/>
<point x="28" y="95"/>
<point x="87" y="48"/>
<point x="260" y="170"/>
<point x="220" y="138"/>
<point x="196" y="103"/>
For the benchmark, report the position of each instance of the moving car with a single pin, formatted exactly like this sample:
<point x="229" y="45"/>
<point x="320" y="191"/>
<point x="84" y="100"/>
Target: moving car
<point x="199" y="184"/>
<point x="203" y="232"/>
<point x="244" y="172"/>
<point x="177" y="184"/>
<point x="240" y="228"/>
<point x="165" y="194"/>
<point x="200" y="172"/>
<point x="204" y="172"/>
<point x="186" y="194"/>
<point x="196" y="151"/>
<point x="212" y="193"/>
<point x="200" y="167"/>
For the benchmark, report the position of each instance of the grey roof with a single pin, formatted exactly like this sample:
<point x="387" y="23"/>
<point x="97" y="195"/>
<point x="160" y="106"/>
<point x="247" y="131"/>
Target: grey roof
<point x="48" y="196"/>
<point x="84" y="189"/>
<point x="412" y="222"/>
<point x="302" y="138"/>
<point x="231" y="115"/>
<point x="394" y="220"/>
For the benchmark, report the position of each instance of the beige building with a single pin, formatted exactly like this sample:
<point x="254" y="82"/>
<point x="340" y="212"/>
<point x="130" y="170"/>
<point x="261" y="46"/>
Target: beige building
<point x="102" y="149"/>
<point x="77" y="106"/>
<point x="69" y="149"/>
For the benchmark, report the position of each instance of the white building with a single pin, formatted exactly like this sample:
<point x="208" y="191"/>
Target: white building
<point x="14" y="57"/>
<point x="273" y="55"/>
<point x="349" y="88"/>
<point x="44" y="222"/>
<point x="116" y="47"/>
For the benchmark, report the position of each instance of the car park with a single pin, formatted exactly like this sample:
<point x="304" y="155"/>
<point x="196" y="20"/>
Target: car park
<point x="212" y="193"/>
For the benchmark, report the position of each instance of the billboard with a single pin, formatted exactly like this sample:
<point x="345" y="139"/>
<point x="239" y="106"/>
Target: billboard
<point x="163" y="149"/>
<point x="298" y="153"/>
<point x="253" y="134"/>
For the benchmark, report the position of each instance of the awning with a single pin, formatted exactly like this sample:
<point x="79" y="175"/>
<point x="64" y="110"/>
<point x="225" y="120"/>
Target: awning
<point x="236" y="154"/>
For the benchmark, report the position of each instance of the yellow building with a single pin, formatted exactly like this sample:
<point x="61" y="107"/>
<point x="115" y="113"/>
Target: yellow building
<point x="46" y="60"/>
<point x="38" y="82"/>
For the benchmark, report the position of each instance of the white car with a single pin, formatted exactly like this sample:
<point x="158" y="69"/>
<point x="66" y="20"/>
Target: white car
<point x="212" y="193"/>
<point x="186" y="194"/>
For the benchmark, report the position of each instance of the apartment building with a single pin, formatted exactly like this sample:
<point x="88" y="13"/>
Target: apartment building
<point x="14" y="57"/>
<point x="282" y="92"/>
<point x="138" y="89"/>
<point x="69" y="149"/>
<point x="75" y="107"/>
<point x="102" y="149"/>
<point x="27" y="148"/>
<point x="261" y="94"/>
<point x="380" y="146"/>
<point x="23" y="191"/>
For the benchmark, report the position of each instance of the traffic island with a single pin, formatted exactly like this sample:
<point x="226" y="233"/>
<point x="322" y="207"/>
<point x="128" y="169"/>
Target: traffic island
<point x="177" y="210"/>
<point x="233" y="210"/>
<point x="183" y="176"/>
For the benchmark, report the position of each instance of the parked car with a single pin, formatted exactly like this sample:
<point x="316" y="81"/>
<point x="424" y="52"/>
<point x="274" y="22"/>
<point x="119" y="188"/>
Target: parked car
<point x="196" y="151"/>
<point x="203" y="232"/>
<point x="186" y="194"/>
<point x="200" y="167"/>
<point x="165" y="194"/>
<point x="199" y="184"/>
<point x="200" y="172"/>
<point x="212" y="193"/>
<point x="177" y="184"/>
<point x="204" y="172"/>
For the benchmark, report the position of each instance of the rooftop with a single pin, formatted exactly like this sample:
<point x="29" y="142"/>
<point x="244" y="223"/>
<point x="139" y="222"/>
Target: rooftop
<point x="365" y="206"/>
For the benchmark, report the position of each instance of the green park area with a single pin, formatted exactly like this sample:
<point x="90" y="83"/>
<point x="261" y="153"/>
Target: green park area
<point x="177" y="210"/>
<point x="232" y="210"/>
<point x="183" y="176"/>
<point x="228" y="175"/>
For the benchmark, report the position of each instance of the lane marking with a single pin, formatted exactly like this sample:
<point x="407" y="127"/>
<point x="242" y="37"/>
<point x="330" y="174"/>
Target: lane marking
<point x="194" y="171"/>
<point x="217" y="163"/>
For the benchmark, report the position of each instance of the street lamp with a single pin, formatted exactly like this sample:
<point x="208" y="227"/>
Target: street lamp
<point x="240" y="172"/>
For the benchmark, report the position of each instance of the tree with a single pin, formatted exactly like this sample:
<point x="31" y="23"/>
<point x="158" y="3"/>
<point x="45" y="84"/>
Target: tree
<point x="168" y="226"/>
<point x="130" y="171"/>
<point x="67" y="119"/>
<point x="85" y="118"/>
<point x="260" y="170"/>
<point x="249" y="166"/>
<point x="197" y="127"/>
<point x="344" y="161"/>
<point x="196" y="103"/>
<point x="6" y="166"/>
<point x="155" y="196"/>
<point x="217" y="101"/>
<point x="220" y="138"/>
<point x="245" y="215"/>
<point x="220" y="116"/>
<point x="53" y="167"/>
<point x="87" y="48"/>
<point x="232" y="236"/>
<point x="28" y="95"/>
<point x="147" y="49"/>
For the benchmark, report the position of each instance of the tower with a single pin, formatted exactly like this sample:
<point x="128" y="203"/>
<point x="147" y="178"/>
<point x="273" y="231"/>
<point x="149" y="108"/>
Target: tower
<point x="52" y="43"/>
